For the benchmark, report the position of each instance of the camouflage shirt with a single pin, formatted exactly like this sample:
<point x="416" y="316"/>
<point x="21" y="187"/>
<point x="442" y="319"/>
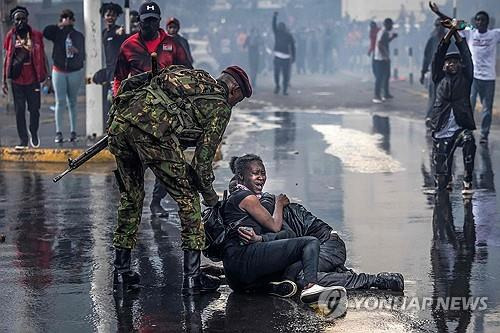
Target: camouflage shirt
<point x="185" y="105"/>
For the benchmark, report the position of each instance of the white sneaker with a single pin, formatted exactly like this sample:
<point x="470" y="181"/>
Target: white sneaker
<point x="21" y="147"/>
<point x="467" y="188"/>
<point x="312" y="294"/>
<point x="377" y="101"/>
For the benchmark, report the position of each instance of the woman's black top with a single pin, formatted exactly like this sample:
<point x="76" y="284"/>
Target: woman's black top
<point x="58" y="37"/>
<point x="233" y="213"/>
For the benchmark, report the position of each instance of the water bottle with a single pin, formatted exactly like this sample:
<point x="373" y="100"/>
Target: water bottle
<point x="69" y="46"/>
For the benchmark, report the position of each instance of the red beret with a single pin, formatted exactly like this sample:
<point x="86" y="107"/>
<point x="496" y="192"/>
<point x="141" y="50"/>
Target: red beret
<point x="241" y="78"/>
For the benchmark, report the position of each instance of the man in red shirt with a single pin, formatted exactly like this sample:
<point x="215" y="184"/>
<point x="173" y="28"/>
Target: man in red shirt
<point x="135" y="58"/>
<point x="26" y="65"/>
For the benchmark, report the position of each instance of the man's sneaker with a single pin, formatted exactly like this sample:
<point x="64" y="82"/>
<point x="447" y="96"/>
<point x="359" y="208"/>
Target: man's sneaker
<point x="34" y="140"/>
<point x="467" y="188"/>
<point x="388" y="96"/>
<point x="276" y="89"/>
<point x="73" y="137"/>
<point x="389" y="281"/>
<point x="285" y="288"/>
<point x="58" y="138"/>
<point x="483" y="140"/>
<point x="21" y="146"/>
<point x="377" y="100"/>
<point x="312" y="294"/>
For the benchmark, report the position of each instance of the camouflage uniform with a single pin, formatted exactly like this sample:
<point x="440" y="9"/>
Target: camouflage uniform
<point x="149" y="128"/>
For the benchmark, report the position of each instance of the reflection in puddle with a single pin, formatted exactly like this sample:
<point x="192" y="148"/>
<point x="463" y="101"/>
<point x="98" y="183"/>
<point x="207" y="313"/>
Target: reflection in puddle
<point x="358" y="151"/>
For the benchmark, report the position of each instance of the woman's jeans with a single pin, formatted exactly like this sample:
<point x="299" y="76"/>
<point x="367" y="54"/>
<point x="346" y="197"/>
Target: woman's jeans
<point x="66" y="86"/>
<point x="252" y="266"/>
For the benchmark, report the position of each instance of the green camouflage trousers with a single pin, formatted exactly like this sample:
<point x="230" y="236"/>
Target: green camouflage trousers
<point x="135" y="151"/>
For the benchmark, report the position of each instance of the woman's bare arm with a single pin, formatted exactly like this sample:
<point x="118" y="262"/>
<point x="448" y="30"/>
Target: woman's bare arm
<point x="252" y="206"/>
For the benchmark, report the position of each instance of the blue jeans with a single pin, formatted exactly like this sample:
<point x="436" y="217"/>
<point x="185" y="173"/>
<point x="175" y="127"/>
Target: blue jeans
<point x="486" y="91"/>
<point x="66" y="86"/>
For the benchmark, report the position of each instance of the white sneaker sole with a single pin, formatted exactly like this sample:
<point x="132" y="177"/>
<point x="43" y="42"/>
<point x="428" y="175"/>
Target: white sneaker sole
<point x="290" y="294"/>
<point x="313" y="297"/>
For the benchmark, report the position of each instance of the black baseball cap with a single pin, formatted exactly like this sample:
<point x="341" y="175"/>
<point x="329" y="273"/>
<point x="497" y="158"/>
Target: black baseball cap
<point x="149" y="9"/>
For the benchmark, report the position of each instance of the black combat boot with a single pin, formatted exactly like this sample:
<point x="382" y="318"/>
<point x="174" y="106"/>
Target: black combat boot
<point x="389" y="281"/>
<point x="123" y="276"/>
<point x="157" y="210"/>
<point x="196" y="282"/>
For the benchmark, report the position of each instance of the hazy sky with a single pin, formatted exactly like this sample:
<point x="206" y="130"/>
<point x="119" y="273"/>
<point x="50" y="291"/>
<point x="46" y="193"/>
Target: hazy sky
<point x="380" y="9"/>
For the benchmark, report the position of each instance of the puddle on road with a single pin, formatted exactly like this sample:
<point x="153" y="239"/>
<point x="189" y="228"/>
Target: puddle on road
<point x="358" y="151"/>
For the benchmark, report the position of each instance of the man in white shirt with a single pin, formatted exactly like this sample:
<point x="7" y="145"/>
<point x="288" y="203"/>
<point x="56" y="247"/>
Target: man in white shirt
<point x="382" y="62"/>
<point x="483" y="46"/>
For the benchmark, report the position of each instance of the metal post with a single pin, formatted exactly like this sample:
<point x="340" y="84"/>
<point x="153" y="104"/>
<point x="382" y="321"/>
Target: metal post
<point x="127" y="16"/>
<point x="454" y="8"/>
<point x="93" y="62"/>
<point x="396" y="64"/>
<point x="410" y="54"/>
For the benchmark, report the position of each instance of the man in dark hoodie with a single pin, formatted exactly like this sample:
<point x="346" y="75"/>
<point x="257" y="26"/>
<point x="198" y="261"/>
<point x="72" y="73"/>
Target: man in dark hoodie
<point x="284" y="54"/>
<point x="452" y="120"/>
<point x="430" y="49"/>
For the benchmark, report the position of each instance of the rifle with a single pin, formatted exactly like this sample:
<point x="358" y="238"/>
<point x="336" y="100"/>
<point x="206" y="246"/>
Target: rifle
<point x="103" y="143"/>
<point x="461" y="23"/>
<point x="84" y="157"/>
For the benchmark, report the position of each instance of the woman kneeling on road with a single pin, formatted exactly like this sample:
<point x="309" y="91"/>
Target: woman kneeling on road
<point x="251" y="265"/>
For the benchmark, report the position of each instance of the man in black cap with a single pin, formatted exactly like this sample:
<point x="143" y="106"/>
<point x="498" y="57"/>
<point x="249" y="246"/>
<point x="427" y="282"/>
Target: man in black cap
<point x="135" y="58"/>
<point x="149" y="128"/>
<point x="452" y="120"/>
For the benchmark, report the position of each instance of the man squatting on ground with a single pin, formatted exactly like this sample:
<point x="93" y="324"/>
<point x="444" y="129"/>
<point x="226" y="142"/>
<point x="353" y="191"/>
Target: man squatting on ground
<point x="134" y="58"/>
<point x="145" y="132"/>
<point x="452" y="120"/>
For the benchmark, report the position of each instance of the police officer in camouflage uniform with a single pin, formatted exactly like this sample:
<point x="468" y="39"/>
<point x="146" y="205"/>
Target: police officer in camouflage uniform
<point x="149" y="127"/>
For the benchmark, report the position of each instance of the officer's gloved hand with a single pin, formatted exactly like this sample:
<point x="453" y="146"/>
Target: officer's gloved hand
<point x="210" y="198"/>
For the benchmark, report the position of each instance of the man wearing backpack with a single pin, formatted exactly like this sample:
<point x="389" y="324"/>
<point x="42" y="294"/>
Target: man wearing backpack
<point x="149" y="128"/>
<point x="135" y="58"/>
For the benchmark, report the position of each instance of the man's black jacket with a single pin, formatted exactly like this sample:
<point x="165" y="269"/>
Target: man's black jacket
<point x="452" y="91"/>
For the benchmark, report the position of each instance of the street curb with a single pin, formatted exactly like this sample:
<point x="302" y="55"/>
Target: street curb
<point x="52" y="155"/>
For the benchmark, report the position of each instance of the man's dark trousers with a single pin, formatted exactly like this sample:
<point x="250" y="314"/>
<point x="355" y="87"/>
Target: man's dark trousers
<point x="486" y="91"/>
<point x="282" y="66"/>
<point x="26" y="94"/>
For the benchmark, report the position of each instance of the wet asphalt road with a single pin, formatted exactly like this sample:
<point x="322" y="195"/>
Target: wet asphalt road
<point x="367" y="174"/>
